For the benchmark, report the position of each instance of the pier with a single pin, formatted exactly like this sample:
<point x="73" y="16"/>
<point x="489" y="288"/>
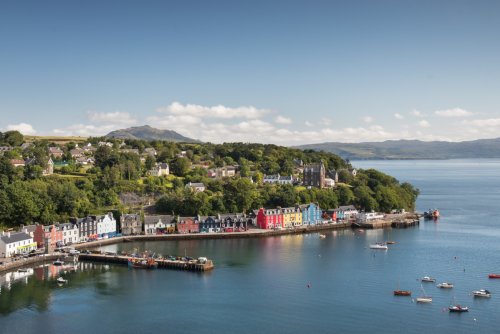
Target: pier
<point x="192" y="265"/>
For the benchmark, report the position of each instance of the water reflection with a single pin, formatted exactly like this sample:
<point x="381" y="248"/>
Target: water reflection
<point x="33" y="288"/>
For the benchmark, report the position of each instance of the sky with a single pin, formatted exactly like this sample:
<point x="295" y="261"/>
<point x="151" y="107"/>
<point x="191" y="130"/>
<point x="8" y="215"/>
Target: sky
<point x="284" y="72"/>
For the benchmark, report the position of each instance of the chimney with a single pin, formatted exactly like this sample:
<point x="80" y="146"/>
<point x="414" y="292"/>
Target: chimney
<point x="8" y="234"/>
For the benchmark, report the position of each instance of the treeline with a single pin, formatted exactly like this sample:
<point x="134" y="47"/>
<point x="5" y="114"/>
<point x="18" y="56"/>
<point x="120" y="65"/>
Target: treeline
<point x="27" y="197"/>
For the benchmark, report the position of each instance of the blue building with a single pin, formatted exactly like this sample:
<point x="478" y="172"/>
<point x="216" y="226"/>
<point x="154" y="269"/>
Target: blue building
<point x="311" y="214"/>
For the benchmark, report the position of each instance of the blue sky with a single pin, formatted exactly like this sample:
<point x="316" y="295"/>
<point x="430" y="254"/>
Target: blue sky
<point x="284" y="72"/>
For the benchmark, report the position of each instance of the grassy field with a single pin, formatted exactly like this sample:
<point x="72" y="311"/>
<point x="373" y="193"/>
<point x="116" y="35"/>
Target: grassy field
<point x="57" y="139"/>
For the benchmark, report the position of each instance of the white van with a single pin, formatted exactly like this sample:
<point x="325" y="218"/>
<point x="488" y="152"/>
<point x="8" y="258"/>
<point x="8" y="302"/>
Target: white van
<point x="74" y="251"/>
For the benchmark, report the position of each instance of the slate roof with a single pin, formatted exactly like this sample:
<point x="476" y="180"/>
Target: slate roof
<point x="165" y="219"/>
<point x="14" y="237"/>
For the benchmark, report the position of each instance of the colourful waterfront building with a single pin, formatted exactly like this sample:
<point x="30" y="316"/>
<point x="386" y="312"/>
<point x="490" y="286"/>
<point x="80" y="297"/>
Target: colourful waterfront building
<point x="311" y="214"/>
<point x="292" y="217"/>
<point x="233" y="222"/>
<point x="209" y="224"/>
<point x="269" y="218"/>
<point x="188" y="225"/>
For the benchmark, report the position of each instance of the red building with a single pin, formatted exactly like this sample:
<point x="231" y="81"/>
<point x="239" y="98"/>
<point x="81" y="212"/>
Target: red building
<point x="51" y="232"/>
<point x="187" y="225"/>
<point x="269" y="218"/>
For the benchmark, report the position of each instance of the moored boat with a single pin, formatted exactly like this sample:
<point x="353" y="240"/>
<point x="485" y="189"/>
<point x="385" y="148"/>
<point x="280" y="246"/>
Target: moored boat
<point x="402" y="293"/>
<point x="494" y="275"/>
<point x="431" y="214"/>
<point x="58" y="262"/>
<point x="445" y="285"/>
<point x="390" y="242"/>
<point x="379" y="245"/>
<point x="428" y="279"/>
<point x="148" y="263"/>
<point x="61" y="280"/>
<point x="482" y="293"/>
<point x="458" y="308"/>
<point x="424" y="299"/>
<point x="322" y="236"/>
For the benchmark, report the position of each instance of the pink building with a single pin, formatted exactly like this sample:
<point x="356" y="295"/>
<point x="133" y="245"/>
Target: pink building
<point x="187" y="225"/>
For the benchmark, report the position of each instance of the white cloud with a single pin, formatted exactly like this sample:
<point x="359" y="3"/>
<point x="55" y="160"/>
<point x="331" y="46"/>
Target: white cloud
<point x="116" y="117"/>
<point x="491" y="122"/>
<point x="24" y="128"/>
<point x="218" y="111"/>
<point x="283" y="120"/>
<point x="85" y="130"/>
<point x="368" y="119"/>
<point x="455" y="112"/>
<point x="416" y="113"/>
<point x="326" y="121"/>
<point x="398" y="116"/>
<point x="309" y="124"/>
<point x="424" y="124"/>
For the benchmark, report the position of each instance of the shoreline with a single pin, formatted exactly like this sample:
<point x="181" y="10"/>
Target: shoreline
<point x="251" y="233"/>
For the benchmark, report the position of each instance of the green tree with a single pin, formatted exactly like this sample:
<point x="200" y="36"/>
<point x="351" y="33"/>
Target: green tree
<point x="180" y="166"/>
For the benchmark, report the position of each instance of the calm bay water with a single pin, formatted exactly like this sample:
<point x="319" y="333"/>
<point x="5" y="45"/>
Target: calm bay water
<point x="260" y="285"/>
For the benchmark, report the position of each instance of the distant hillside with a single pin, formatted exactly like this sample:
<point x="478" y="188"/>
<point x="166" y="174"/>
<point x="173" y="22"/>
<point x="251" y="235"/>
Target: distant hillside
<point x="148" y="133"/>
<point x="411" y="149"/>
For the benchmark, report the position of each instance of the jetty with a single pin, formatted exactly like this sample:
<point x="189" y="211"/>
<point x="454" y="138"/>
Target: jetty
<point x="189" y="265"/>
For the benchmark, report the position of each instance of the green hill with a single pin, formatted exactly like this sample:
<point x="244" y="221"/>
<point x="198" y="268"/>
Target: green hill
<point x="411" y="149"/>
<point x="146" y="132"/>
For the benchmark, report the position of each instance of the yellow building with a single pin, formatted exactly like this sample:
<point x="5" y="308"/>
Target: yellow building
<point x="291" y="217"/>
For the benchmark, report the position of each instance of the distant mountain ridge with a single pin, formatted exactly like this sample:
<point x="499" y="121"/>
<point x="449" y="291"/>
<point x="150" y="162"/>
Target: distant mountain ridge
<point x="146" y="132"/>
<point x="411" y="149"/>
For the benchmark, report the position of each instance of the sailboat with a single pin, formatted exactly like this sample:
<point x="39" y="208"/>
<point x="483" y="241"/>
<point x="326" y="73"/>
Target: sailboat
<point x="424" y="298"/>
<point x="454" y="307"/>
<point x="401" y="292"/>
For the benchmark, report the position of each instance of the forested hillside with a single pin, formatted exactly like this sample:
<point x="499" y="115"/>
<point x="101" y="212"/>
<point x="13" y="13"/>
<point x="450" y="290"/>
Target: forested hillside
<point x="119" y="179"/>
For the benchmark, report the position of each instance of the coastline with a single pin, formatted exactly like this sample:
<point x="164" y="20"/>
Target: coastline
<point x="251" y="233"/>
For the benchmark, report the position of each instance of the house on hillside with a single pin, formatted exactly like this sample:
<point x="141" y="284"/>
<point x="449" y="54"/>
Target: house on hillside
<point x="196" y="187"/>
<point x="161" y="169"/>
<point x="55" y="152"/>
<point x="314" y="175"/>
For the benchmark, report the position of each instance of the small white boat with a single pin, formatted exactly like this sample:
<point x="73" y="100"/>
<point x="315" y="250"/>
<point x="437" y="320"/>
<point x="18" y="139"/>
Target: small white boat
<point x="58" y="262"/>
<point x="322" y="236"/>
<point x="379" y="245"/>
<point x="62" y="280"/>
<point x="482" y="293"/>
<point x="445" y="285"/>
<point x="424" y="298"/>
<point x="428" y="279"/>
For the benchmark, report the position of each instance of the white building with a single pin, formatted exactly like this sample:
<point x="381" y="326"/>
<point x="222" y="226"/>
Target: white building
<point x="279" y="179"/>
<point x="160" y="169"/>
<point x="106" y="225"/>
<point x="196" y="187"/>
<point x="329" y="183"/>
<point x="16" y="243"/>
<point x="159" y="224"/>
<point x="70" y="233"/>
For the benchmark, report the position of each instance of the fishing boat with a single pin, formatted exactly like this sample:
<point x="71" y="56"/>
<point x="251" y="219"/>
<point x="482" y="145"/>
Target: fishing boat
<point x="379" y="245"/>
<point x="428" y="279"/>
<point x="458" y="308"/>
<point x="424" y="298"/>
<point x="482" y="293"/>
<point x="445" y="285"/>
<point x="431" y="214"/>
<point x="494" y="275"/>
<point x="322" y="236"/>
<point x="390" y="242"/>
<point x="148" y="263"/>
